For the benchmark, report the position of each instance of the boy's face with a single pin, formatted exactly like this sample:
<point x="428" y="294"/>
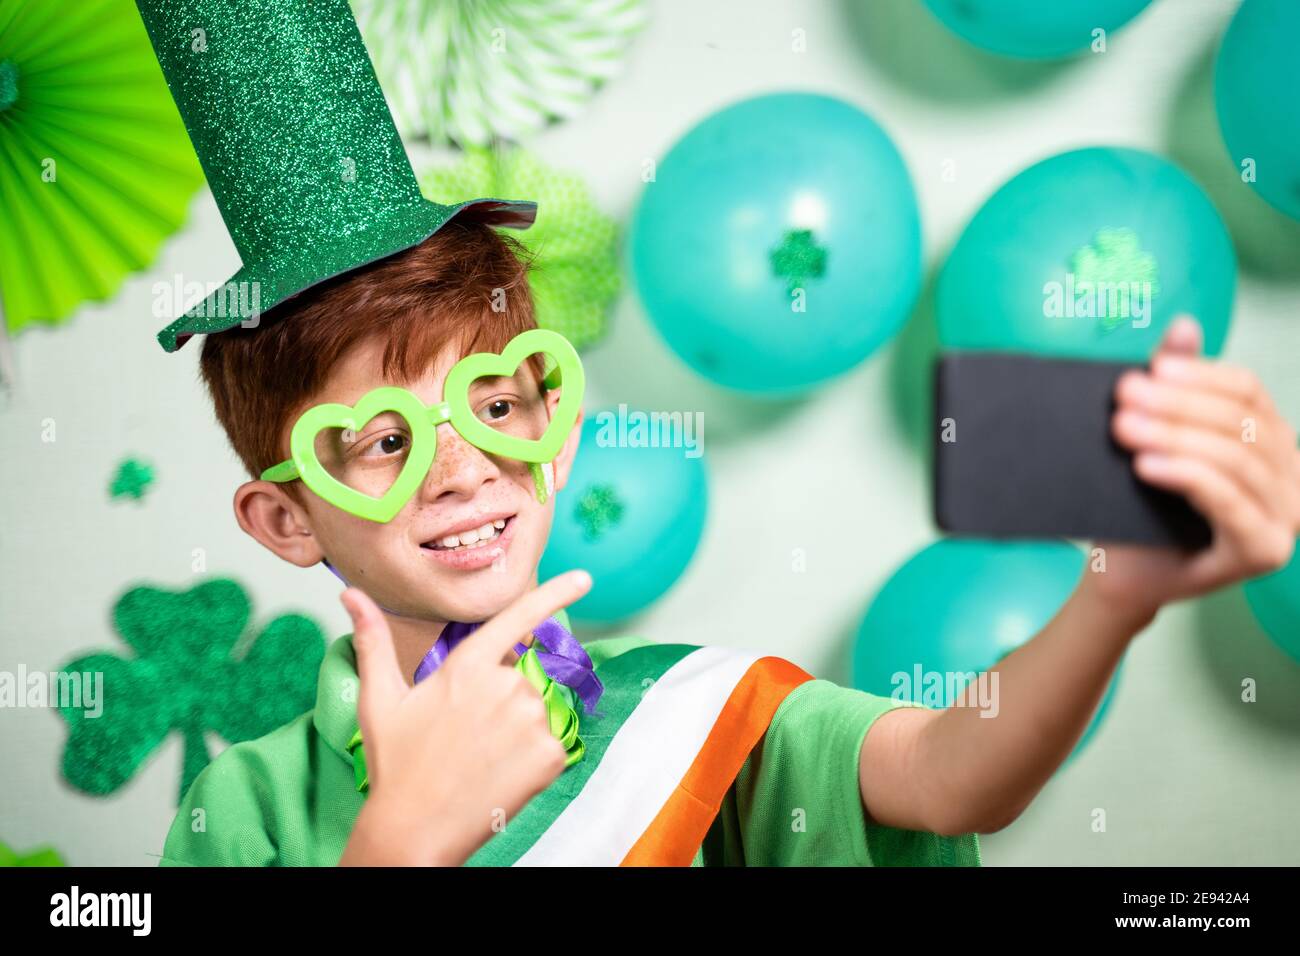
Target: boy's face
<point x="425" y="562"/>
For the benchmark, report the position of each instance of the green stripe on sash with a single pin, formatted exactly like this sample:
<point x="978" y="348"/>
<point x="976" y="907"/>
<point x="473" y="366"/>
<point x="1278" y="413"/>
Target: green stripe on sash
<point x="626" y="678"/>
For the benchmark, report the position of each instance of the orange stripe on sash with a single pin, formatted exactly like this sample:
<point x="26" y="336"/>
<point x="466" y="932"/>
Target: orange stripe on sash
<point x="681" y="825"/>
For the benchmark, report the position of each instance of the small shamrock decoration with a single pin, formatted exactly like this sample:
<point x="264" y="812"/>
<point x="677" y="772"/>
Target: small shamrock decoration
<point x="41" y="856"/>
<point x="1115" y="261"/>
<point x="132" y="480"/>
<point x="798" y="258"/>
<point x="192" y="673"/>
<point x="598" y="510"/>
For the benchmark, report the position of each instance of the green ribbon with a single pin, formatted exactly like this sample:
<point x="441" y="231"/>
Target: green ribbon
<point x="559" y="706"/>
<point x="560" y="713"/>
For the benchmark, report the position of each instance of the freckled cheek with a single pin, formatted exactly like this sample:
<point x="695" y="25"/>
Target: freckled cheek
<point x="535" y="527"/>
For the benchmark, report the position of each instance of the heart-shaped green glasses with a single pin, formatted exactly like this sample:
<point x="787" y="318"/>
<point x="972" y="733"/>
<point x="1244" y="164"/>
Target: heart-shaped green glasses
<point x="421" y="425"/>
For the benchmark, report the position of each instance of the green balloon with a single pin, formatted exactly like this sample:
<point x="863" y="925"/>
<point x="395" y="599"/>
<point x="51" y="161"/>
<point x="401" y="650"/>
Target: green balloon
<point x="958" y="607"/>
<point x="1035" y="29"/>
<point x="1275" y="601"/>
<point x="1256" y="91"/>
<point x="1088" y="254"/>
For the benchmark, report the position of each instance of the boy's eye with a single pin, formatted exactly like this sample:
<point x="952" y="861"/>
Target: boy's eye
<point x="391" y="444"/>
<point x="496" y="410"/>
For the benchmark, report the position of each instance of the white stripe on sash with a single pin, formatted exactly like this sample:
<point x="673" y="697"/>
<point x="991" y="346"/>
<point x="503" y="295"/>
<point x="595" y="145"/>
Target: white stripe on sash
<point x="644" y="763"/>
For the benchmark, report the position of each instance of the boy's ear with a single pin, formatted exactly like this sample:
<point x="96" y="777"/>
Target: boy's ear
<point x="563" y="463"/>
<point x="265" y="511"/>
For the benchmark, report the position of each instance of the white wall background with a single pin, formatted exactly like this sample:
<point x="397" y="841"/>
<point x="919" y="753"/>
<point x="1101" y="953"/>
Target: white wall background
<point x="1186" y="773"/>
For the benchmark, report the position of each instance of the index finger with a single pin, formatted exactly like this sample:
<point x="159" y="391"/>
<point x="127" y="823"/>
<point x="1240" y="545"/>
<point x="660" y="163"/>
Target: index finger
<point x="494" y="639"/>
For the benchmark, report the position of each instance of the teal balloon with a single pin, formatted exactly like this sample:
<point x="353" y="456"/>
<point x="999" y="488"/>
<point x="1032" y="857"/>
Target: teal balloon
<point x="959" y="606"/>
<point x="1257" y="97"/>
<point x="1275" y="601"/>
<point x="778" y="244"/>
<point x="1034" y="29"/>
<point x="1088" y="254"/>
<point x="631" y="514"/>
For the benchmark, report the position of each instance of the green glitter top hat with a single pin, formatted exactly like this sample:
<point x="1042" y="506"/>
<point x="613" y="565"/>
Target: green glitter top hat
<point x="304" y="161"/>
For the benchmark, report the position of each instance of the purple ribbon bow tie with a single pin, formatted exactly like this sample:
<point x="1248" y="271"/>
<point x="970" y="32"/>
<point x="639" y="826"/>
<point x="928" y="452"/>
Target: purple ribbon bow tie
<point x="562" y="657"/>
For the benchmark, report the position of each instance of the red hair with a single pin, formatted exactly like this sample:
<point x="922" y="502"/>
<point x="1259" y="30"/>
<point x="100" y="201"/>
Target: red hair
<point x="465" y="286"/>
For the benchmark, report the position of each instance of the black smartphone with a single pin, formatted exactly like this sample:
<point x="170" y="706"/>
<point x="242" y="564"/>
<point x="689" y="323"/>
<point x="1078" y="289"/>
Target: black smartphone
<point x="1023" y="449"/>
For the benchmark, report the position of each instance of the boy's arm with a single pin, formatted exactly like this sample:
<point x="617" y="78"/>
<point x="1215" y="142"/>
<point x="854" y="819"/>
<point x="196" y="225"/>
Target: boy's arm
<point x="956" y="771"/>
<point x="1205" y="431"/>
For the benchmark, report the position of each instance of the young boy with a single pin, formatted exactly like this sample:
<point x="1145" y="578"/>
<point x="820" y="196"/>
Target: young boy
<point x="466" y="750"/>
<point x="459" y="756"/>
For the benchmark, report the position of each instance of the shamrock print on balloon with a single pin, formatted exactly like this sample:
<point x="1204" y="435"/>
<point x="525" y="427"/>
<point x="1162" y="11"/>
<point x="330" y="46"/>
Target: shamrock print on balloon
<point x="194" y="670"/>
<point x="598" y="510"/>
<point x="798" y="258"/>
<point x="1112" y="268"/>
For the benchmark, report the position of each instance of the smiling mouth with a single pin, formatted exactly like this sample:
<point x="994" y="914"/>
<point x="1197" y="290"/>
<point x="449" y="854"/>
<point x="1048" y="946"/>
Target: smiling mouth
<point x="472" y="539"/>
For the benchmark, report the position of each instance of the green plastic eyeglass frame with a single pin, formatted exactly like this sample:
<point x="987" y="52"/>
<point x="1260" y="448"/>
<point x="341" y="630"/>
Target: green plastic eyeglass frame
<point x="423" y="422"/>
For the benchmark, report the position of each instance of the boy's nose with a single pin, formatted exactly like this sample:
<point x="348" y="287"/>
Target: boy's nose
<point x="458" y="467"/>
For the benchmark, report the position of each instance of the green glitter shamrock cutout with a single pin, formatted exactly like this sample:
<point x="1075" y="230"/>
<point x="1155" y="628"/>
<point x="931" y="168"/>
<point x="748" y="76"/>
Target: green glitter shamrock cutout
<point x="574" y="276"/>
<point x="132" y="479"/>
<point x="1114" y="260"/>
<point x="598" y="510"/>
<point x="41" y="856"/>
<point x="188" y="675"/>
<point x="798" y="258"/>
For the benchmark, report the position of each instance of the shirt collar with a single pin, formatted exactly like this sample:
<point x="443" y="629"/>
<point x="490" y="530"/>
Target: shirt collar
<point x="335" y="717"/>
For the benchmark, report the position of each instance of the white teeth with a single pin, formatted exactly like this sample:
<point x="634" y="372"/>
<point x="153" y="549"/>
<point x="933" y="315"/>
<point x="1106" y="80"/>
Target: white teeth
<point x="475" y="536"/>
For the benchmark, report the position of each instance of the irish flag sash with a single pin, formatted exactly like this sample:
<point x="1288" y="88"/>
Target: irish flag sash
<point x="675" y="725"/>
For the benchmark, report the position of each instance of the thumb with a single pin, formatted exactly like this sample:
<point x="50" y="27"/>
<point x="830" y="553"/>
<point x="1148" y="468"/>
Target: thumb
<point x="1182" y="337"/>
<point x="382" y="686"/>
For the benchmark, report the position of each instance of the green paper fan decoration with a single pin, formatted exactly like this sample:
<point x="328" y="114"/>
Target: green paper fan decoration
<point x="195" y="669"/>
<point x="475" y="71"/>
<point x="96" y="169"/>
<point x="575" y="273"/>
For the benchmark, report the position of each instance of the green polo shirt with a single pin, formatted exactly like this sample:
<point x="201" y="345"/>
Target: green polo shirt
<point x="290" y="798"/>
